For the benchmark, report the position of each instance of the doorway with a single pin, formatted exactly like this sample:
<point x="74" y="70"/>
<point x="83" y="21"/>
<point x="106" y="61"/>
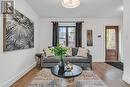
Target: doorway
<point x="112" y="43"/>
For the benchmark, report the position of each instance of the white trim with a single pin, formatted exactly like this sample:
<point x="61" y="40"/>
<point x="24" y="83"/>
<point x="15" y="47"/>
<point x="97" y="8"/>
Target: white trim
<point x="97" y="60"/>
<point x="126" y="79"/>
<point x="18" y="76"/>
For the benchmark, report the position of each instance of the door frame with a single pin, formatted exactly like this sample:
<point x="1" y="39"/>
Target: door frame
<point x="117" y="40"/>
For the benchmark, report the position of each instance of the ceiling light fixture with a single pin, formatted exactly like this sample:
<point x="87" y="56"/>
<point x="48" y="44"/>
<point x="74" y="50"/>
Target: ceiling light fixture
<point x="70" y="3"/>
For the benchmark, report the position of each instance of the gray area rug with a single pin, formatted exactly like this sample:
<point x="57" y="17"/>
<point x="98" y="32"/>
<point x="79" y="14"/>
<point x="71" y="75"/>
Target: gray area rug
<point x="87" y="79"/>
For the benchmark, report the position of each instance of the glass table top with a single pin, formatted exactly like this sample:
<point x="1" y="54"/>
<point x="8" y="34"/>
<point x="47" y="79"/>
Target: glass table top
<point x="76" y="71"/>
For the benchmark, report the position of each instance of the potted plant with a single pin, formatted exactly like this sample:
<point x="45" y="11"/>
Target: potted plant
<point x="59" y="52"/>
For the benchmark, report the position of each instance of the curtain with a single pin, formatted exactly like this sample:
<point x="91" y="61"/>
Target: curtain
<point x="55" y="34"/>
<point x="78" y="35"/>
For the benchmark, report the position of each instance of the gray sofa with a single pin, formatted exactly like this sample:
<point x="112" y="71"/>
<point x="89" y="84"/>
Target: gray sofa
<point x="84" y="62"/>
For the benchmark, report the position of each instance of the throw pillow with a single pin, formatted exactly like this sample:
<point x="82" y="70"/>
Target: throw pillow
<point x="48" y="52"/>
<point x="82" y="52"/>
<point x="74" y="51"/>
<point x="69" y="51"/>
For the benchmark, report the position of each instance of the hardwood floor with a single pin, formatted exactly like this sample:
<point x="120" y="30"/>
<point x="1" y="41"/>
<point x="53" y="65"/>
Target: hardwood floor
<point x="109" y="74"/>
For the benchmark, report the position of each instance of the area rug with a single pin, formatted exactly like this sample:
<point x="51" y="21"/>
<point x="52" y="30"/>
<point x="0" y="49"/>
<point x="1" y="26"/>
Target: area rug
<point x="118" y="65"/>
<point x="87" y="79"/>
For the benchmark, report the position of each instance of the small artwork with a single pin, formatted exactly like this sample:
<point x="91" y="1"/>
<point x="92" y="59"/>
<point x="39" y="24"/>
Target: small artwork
<point x="89" y="38"/>
<point x="18" y="32"/>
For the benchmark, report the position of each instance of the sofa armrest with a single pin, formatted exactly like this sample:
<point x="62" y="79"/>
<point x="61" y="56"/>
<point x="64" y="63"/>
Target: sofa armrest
<point x="89" y="55"/>
<point x="90" y="58"/>
<point x="43" y="56"/>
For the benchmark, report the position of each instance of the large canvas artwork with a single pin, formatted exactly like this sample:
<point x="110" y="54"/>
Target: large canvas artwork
<point x="18" y="32"/>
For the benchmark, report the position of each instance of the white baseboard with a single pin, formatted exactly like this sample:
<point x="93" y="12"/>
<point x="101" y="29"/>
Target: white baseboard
<point x="126" y="79"/>
<point x="17" y="77"/>
<point x="98" y="60"/>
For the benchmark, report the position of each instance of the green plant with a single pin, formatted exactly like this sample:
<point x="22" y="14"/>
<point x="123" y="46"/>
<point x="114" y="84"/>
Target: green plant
<point x="59" y="51"/>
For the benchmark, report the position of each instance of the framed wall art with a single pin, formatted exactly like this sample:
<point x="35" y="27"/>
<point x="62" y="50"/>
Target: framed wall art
<point x="89" y="38"/>
<point x="18" y="32"/>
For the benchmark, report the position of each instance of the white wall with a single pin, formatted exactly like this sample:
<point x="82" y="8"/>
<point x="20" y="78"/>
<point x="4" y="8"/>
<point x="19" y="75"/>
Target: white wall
<point x="97" y="25"/>
<point x="15" y="63"/>
<point x="126" y="41"/>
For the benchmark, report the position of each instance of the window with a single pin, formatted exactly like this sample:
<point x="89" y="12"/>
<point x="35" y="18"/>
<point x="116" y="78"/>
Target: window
<point x="67" y="35"/>
<point x="111" y="39"/>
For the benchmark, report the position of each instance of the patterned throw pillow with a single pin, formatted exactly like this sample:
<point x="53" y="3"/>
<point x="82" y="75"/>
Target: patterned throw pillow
<point x="48" y="53"/>
<point x="82" y="52"/>
<point x="69" y="51"/>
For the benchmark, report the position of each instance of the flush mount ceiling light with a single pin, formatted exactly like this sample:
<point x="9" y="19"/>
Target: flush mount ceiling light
<point x="70" y="3"/>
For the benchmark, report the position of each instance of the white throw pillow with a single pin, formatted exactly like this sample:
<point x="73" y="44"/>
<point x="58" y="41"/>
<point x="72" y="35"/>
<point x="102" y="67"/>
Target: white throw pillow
<point x="82" y="52"/>
<point x="48" y="52"/>
<point x="69" y="52"/>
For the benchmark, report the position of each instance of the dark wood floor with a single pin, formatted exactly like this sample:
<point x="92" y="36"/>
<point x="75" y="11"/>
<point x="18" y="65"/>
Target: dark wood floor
<point x="109" y="74"/>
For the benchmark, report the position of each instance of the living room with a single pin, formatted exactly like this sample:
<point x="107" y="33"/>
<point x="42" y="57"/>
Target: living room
<point x="94" y="15"/>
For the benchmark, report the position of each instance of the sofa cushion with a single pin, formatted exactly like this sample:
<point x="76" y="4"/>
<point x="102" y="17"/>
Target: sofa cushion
<point x="51" y="59"/>
<point x="73" y="59"/>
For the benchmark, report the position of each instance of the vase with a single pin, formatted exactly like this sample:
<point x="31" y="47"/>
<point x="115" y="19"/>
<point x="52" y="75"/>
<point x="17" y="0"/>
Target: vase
<point x="61" y="67"/>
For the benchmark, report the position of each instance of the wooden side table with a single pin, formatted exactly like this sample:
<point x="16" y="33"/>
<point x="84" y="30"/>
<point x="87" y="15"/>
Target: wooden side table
<point x="38" y="58"/>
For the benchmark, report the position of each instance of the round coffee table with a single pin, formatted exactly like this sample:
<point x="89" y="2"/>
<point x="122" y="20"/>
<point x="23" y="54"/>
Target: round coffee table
<point x="76" y="71"/>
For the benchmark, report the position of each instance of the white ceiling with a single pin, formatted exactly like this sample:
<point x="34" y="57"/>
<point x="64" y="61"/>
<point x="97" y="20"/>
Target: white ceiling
<point x="87" y="9"/>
